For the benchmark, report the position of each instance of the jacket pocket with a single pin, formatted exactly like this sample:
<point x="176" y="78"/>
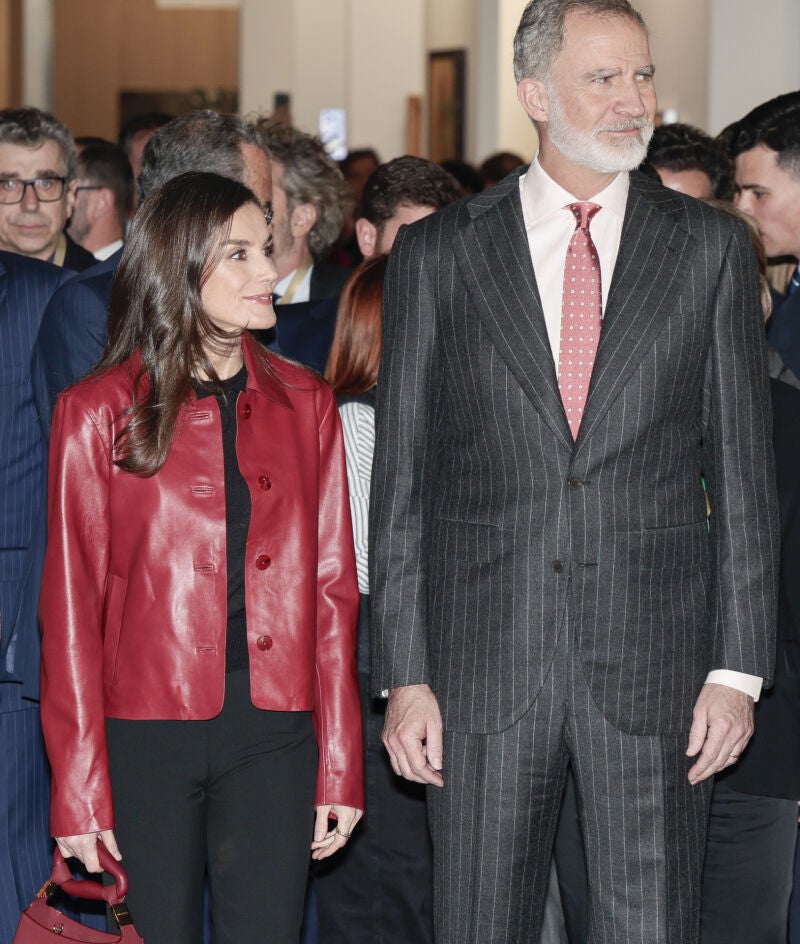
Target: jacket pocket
<point x="113" y="606"/>
<point x="677" y="549"/>
<point x="466" y="541"/>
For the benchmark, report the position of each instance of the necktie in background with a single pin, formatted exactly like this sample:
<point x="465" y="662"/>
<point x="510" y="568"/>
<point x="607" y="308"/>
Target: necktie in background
<point x="581" y="314"/>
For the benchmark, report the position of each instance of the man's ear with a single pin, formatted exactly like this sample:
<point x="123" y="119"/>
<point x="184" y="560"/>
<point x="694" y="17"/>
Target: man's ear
<point x="533" y="98"/>
<point x="69" y="199"/>
<point x="103" y="202"/>
<point x="367" y="236"/>
<point x="303" y="218"/>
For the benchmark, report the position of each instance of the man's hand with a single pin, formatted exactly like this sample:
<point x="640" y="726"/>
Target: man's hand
<point x="722" y="726"/>
<point x="412" y="734"/>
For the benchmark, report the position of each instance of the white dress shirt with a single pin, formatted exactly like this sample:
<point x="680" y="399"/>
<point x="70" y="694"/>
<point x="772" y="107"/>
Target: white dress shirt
<point x="303" y="291"/>
<point x="550" y="225"/>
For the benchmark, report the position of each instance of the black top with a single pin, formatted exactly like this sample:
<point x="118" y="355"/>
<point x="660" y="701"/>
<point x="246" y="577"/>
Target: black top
<point x="237" y="520"/>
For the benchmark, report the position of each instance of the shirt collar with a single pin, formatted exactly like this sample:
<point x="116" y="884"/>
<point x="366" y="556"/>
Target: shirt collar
<point x="544" y="197"/>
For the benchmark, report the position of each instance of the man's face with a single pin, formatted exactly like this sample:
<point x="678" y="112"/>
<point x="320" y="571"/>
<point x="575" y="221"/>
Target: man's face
<point x="405" y="213"/>
<point x="282" y="239"/>
<point x="79" y="222"/>
<point x="32" y="227"/>
<point x="771" y="195"/>
<point x="358" y="173"/>
<point x="600" y="97"/>
<point x="694" y="183"/>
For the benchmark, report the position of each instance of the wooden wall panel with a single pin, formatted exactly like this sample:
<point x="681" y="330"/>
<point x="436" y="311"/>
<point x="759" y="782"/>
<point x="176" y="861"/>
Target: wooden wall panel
<point x="10" y="57"/>
<point x="102" y="47"/>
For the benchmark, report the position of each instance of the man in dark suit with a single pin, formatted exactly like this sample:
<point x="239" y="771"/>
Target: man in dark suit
<point x="566" y="357"/>
<point x="310" y="199"/>
<point x="25" y="846"/>
<point x="74" y="326"/>
<point x="766" y="147"/>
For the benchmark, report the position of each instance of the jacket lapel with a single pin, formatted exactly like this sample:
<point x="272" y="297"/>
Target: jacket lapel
<point x="652" y="264"/>
<point x="494" y="260"/>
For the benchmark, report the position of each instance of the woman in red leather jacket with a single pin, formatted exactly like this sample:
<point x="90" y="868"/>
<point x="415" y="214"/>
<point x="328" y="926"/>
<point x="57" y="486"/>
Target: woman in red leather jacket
<point x="199" y="601"/>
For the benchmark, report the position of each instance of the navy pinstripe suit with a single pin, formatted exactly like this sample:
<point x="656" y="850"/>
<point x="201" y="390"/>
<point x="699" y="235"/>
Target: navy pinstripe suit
<point x="513" y="567"/>
<point x="25" y="848"/>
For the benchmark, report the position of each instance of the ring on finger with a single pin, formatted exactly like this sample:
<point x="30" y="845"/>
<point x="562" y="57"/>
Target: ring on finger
<point x="342" y="833"/>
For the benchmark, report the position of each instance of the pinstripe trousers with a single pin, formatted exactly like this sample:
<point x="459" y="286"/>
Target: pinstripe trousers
<point x="25" y="844"/>
<point x="494" y="822"/>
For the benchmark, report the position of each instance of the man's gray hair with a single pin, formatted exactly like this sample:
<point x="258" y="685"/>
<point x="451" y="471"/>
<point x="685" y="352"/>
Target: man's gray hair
<point x="540" y="34"/>
<point x="309" y="176"/>
<point x="203" y="141"/>
<point x="31" y="127"/>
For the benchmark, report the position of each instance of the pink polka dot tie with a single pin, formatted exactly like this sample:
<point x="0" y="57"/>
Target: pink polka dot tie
<point x="581" y="311"/>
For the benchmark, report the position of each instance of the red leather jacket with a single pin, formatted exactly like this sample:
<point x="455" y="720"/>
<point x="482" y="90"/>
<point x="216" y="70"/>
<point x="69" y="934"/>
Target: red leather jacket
<point x="134" y="591"/>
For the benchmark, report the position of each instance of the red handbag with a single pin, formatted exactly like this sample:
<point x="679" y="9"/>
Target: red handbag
<point x="40" y="923"/>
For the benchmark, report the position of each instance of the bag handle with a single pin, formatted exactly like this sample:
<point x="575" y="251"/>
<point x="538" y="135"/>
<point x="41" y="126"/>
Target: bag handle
<point x="113" y="894"/>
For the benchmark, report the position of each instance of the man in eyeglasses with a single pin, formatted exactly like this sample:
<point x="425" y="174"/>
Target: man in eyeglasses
<point x="37" y="188"/>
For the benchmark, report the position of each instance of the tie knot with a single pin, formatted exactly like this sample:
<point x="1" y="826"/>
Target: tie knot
<point x="583" y="213"/>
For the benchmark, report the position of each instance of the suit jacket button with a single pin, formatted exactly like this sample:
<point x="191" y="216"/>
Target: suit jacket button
<point x="264" y="643"/>
<point x="264" y="483"/>
<point x="558" y="566"/>
<point x="263" y="562"/>
<point x="246" y="411"/>
<point x="574" y="483"/>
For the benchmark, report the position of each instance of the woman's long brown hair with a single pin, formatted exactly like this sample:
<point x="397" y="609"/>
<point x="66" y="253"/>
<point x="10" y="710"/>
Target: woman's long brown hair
<point x="176" y="241"/>
<point x="356" y="351"/>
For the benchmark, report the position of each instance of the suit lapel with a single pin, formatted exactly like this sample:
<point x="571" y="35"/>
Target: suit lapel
<point x="494" y="259"/>
<point x="652" y="264"/>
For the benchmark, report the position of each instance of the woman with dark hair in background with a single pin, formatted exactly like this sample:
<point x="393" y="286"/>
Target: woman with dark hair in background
<point x="199" y="595"/>
<point x="380" y="889"/>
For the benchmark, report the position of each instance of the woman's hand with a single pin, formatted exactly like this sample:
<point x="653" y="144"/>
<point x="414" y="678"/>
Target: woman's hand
<point x="327" y="841"/>
<point x="84" y="847"/>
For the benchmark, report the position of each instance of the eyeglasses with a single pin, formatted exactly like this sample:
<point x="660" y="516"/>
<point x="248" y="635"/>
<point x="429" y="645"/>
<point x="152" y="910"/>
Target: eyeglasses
<point x="47" y="189"/>
<point x="88" y="187"/>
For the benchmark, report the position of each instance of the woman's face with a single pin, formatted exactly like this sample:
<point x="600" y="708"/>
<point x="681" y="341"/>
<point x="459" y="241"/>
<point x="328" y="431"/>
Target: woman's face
<point x="238" y="293"/>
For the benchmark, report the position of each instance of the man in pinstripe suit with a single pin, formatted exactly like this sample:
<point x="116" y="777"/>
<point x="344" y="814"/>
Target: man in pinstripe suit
<point x="546" y="590"/>
<point x="25" y="845"/>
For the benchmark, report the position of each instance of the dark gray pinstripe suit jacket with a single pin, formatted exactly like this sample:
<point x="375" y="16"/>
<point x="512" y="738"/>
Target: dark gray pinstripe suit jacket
<point x="491" y="529"/>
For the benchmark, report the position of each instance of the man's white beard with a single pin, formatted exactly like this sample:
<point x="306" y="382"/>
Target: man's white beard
<point x="625" y="153"/>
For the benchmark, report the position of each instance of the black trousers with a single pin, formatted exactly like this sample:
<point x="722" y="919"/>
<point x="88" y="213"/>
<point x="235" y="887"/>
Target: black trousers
<point x="232" y="798"/>
<point x="379" y="888"/>
<point x="747" y="877"/>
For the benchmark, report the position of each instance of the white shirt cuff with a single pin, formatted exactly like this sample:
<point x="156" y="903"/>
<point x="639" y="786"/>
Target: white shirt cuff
<point x="749" y="684"/>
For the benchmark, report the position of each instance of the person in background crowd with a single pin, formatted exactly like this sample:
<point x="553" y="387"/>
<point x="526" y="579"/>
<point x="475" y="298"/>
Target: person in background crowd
<point x="309" y="202"/>
<point x="689" y="160"/>
<point x="103" y="199"/>
<point x="401" y="191"/>
<point x="25" y="844"/>
<point x="765" y="146"/>
<point x="135" y="134"/>
<point x="498" y="166"/>
<point x="202" y="747"/>
<point x="469" y="179"/>
<point x="356" y="167"/>
<point x="381" y="887"/>
<point x="37" y="188"/>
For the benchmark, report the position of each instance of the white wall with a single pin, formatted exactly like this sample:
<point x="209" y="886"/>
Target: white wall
<point x="360" y="55"/>
<point x="753" y="56"/>
<point x="679" y="37"/>
<point x="37" y="38"/>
